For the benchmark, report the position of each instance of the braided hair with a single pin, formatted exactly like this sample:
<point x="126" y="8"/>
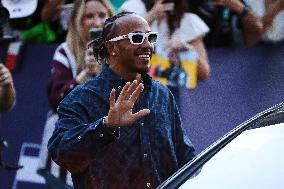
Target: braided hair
<point x="99" y="45"/>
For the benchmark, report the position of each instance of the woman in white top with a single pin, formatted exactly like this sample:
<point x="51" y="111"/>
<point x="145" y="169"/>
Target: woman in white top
<point x="272" y="14"/>
<point x="177" y="28"/>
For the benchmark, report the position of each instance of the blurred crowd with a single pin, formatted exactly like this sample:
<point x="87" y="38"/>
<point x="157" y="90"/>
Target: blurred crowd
<point x="182" y="25"/>
<point x="39" y="21"/>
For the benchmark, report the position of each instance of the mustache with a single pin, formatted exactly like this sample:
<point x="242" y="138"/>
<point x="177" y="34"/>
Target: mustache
<point x="144" y="52"/>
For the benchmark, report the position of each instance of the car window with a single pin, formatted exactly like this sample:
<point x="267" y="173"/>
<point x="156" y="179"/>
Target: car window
<point x="254" y="159"/>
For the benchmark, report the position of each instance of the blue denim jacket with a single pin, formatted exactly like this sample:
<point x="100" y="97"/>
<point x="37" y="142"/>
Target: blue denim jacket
<point x="141" y="155"/>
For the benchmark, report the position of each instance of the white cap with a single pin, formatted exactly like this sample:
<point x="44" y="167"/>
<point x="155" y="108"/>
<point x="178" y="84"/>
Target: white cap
<point x="20" y="8"/>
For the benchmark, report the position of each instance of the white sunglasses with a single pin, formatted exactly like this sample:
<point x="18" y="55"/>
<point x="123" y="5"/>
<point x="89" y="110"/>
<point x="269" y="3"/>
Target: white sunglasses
<point x="138" y="38"/>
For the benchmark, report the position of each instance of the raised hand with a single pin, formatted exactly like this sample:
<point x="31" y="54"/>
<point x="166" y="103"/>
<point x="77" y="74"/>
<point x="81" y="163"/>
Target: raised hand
<point x="5" y="76"/>
<point x="120" y="112"/>
<point x="158" y="11"/>
<point x="92" y="67"/>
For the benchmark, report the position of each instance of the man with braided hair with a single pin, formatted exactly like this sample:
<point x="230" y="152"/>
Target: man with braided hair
<point x="121" y="129"/>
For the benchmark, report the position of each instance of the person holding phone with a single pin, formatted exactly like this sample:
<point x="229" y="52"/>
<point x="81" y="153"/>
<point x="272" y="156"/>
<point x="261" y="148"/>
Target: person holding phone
<point x="73" y="63"/>
<point x="7" y="89"/>
<point x="223" y="18"/>
<point x="178" y="29"/>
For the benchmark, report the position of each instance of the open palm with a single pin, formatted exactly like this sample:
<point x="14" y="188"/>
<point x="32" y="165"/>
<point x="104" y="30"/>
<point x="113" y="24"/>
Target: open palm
<point x="120" y="112"/>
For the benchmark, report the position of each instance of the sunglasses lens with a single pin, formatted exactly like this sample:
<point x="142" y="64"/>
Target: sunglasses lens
<point x="137" y="38"/>
<point x="152" y="38"/>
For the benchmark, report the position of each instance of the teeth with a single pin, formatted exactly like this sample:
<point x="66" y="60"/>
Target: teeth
<point x="144" y="56"/>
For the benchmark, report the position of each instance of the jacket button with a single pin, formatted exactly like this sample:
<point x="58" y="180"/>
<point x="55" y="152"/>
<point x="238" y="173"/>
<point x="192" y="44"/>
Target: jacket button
<point x="148" y="184"/>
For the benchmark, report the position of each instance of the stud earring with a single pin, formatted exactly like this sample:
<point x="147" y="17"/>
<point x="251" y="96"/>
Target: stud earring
<point x="113" y="53"/>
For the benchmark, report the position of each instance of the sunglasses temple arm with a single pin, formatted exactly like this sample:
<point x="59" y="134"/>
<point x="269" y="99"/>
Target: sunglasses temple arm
<point x="119" y="38"/>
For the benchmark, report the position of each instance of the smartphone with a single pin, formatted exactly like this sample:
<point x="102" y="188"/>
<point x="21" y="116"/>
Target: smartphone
<point x="95" y="33"/>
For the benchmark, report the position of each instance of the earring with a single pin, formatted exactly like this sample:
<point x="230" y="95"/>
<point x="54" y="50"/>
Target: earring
<point x="113" y="53"/>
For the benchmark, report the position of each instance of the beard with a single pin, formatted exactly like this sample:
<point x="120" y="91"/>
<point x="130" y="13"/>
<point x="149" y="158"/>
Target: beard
<point x="143" y="71"/>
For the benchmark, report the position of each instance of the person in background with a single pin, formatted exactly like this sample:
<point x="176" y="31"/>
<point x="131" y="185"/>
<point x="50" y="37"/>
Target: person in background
<point x="272" y="15"/>
<point x="73" y="63"/>
<point x="177" y="29"/>
<point x="69" y="67"/>
<point x="121" y="129"/>
<point x="26" y="23"/>
<point x="57" y="14"/>
<point x="7" y="89"/>
<point x="223" y="16"/>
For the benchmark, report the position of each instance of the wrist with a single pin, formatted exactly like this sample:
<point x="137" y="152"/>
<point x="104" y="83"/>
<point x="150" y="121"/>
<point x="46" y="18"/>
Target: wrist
<point x="115" y="131"/>
<point x="150" y="16"/>
<point x="106" y="122"/>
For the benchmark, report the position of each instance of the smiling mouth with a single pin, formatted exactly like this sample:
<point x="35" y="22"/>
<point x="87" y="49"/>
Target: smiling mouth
<point x="144" y="56"/>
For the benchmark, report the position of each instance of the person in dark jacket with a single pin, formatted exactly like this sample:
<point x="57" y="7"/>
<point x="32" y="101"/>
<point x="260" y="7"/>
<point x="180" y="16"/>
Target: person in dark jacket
<point x="121" y="129"/>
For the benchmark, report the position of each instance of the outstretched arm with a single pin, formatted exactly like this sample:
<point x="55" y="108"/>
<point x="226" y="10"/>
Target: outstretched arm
<point x="272" y="12"/>
<point x="203" y="67"/>
<point x="158" y="11"/>
<point x="81" y="130"/>
<point x="252" y="26"/>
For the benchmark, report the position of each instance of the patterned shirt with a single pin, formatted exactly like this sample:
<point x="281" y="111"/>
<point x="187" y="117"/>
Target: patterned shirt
<point x="138" y="156"/>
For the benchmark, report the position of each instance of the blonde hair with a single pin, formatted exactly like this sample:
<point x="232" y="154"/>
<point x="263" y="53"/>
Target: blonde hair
<point x="77" y="38"/>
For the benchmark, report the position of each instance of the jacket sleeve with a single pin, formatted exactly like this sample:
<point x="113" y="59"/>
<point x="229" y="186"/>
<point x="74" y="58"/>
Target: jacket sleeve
<point x="76" y="138"/>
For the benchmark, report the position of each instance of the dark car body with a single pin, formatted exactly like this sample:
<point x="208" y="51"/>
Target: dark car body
<point x="250" y="156"/>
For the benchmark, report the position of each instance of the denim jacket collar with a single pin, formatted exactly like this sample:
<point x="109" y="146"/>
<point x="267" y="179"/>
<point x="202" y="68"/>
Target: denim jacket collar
<point x="117" y="81"/>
